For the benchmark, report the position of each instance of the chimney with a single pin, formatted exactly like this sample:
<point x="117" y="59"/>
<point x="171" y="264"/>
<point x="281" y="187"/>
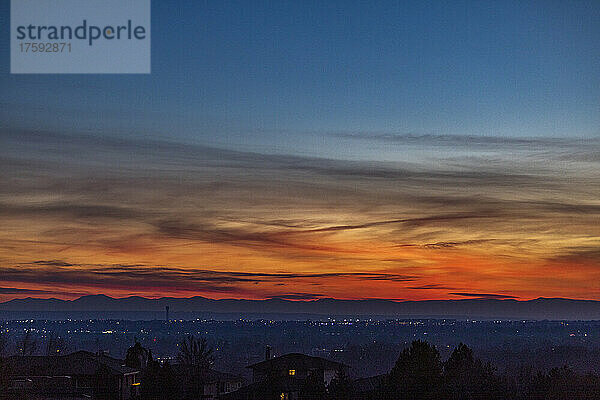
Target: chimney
<point x="268" y="353"/>
<point x="167" y="313"/>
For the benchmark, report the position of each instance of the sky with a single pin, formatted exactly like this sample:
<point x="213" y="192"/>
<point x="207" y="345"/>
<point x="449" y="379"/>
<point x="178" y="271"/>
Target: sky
<point x="302" y="150"/>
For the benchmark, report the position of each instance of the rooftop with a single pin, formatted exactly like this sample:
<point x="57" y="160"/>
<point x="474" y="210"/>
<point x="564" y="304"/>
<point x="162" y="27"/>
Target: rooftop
<point x="296" y="361"/>
<point x="77" y="363"/>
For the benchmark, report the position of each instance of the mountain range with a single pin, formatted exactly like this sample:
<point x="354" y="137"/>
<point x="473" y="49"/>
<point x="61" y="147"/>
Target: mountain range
<point x="537" y="309"/>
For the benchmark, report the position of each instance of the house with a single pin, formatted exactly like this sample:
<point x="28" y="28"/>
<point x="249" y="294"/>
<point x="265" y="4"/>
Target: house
<point x="77" y="375"/>
<point x="298" y="366"/>
<point x="285" y="377"/>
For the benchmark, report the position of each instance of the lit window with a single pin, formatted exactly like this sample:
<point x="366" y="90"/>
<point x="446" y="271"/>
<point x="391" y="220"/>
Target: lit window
<point x="292" y="372"/>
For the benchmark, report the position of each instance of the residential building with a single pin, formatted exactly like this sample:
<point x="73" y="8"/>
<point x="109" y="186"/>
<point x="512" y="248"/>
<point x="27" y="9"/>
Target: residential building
<point x="77" y="375"/>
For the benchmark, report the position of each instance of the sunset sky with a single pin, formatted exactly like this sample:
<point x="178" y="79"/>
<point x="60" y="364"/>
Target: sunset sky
<point x="304" y="150"/>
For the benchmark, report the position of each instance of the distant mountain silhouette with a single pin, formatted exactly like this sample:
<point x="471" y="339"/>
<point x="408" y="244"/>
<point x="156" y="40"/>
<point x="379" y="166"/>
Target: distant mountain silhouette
<point x="539" y="309"/>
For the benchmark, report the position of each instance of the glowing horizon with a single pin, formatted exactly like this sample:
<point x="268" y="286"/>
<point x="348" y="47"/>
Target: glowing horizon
<point x="170" y="220"/>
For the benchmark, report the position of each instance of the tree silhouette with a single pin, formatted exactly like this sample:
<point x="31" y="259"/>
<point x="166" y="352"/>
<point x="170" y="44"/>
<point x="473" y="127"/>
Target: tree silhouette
<point x="458" y="373"/>
<point x="195" y="358"/>
<point x="195" y="352"/>
<point x="461" y="360"/>
<point x="467" y="378"/>
<point x="340" y="387"/>
<point x="416" y="375"/>
<point x="138" y="357"/>
<point x="159" y="383"/>
<point x="313" y="387"/>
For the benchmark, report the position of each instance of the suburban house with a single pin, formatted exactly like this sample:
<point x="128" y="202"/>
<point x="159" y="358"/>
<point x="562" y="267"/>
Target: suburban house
<point x="284" y="377"/>
<point x="77" y="375"/>
<point x="296" y="365"/>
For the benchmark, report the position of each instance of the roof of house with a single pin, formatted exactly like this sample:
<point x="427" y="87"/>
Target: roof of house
<point x="78" y="363"/>
<point x="296" y="361"/>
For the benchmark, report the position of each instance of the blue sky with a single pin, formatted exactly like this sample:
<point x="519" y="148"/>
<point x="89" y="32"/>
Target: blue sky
<point x="459" y="145"/>
<point x="291" y="76"/>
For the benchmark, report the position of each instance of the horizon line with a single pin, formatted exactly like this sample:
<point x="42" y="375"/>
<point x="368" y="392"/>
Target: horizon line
<point x="282" y="298"/>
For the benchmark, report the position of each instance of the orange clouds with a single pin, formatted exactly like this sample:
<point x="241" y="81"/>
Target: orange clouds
<point x="164" y="221"/>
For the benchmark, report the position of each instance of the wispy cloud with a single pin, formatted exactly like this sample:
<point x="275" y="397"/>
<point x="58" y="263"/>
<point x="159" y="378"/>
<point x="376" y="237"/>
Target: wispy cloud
<point x="484" y="295"/>
<point x="528" y="143"/>
<point x="8" y="290"/>
<point x="141" y="278"/>
<point x="489" y="214"/>
<point x="431" y="286"/>
<point x="297" y="296"/>
<point x="580" y="254"/>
